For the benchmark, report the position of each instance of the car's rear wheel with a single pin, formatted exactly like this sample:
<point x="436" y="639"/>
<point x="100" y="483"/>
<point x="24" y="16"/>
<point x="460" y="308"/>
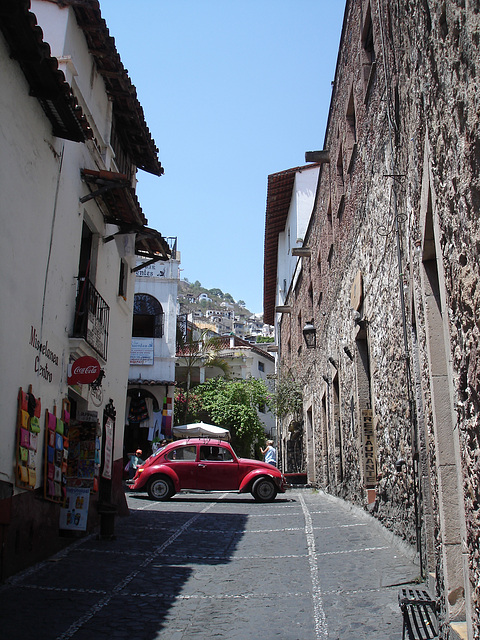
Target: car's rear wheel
<point x="264" y="490"/>
<point x="160" y="488"/>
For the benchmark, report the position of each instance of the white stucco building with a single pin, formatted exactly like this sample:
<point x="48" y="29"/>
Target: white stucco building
<point x="72" y="135"/>
<point x="290" y="202"/>
<point x="151" y="383"/>
<point x="245" y="360"/>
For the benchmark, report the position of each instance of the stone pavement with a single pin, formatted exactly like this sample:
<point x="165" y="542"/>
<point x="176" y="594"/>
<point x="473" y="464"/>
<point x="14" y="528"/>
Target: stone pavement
<point x="212" y="565"/>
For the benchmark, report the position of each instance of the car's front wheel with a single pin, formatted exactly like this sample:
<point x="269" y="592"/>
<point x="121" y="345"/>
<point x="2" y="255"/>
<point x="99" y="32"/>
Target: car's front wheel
<point x="160" y="488"/>
<point x="264" y="490"/>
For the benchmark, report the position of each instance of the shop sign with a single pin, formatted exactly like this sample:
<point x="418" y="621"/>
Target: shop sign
<point x="155" y="270"/>
<point x="83" y="371"/>
<point x="75" y="513"/>
<point x="87" y="416"/>
<point x="141" y="351"/>
<point x="369" y="449"/>
<point x="46" y="363"/>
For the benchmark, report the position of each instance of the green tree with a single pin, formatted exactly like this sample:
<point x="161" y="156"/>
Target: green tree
<point x="233" y="404"/>
<point x="204" y="352"/>
<point x="287" y="399"/>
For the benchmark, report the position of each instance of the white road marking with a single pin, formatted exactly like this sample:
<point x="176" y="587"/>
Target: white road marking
<point x="321" y="630"/>
<point x="123" y="583"/>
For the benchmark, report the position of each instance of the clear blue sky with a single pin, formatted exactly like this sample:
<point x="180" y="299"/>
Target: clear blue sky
<point x="232" y="90"/>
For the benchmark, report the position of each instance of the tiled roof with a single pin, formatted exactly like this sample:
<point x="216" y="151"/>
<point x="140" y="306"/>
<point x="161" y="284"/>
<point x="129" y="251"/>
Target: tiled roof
<point x="151" y="383"/>
<point x="127" y="111"/>
<point x="279" y="196"/>
<point x="47" y="83"/>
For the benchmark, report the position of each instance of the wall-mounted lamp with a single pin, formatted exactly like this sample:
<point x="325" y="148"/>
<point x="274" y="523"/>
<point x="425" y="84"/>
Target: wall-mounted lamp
<point x="348" y="352"/>
<point x="333" y="362"/>
<point x="310" y="335"/>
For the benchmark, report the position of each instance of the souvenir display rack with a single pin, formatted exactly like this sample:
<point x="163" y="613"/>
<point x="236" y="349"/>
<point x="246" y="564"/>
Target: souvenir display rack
<point x="84" y="455"/>
<point x="56" y="454"/>
<point x="28" y="429"/>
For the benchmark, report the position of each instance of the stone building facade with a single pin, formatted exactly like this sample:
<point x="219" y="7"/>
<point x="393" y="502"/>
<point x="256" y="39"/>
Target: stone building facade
<point x="389" y="277"/>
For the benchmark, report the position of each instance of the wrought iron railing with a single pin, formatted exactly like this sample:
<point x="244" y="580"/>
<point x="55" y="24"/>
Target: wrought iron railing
<point x="92" y="315"/>
<point x="172" y="243"/>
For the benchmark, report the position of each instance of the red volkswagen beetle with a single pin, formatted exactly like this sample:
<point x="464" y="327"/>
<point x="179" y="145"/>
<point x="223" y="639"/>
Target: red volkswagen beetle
<point x="208" y="465"/>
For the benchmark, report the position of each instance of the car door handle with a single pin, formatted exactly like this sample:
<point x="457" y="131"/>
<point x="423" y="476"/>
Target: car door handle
<point x="202" y="466"/>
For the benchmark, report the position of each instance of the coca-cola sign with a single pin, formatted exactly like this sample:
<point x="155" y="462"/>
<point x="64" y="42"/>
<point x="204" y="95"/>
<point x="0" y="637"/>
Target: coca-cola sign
<point x="83" y="371"/>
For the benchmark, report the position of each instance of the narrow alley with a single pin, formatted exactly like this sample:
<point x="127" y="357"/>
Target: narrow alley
<point x="305" y="567"/>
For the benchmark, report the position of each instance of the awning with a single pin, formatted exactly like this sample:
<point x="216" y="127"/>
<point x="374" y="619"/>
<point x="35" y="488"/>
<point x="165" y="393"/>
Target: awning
<point x="118" y="196"/>
<point x="149" y="243"/>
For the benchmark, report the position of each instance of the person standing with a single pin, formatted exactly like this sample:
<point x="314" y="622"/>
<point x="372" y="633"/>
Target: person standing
<point x="135" y="461"/>
<point x="269" y="453"/>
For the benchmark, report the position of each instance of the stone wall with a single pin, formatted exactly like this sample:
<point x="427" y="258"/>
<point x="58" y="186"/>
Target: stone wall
<point x="397" y="205"/>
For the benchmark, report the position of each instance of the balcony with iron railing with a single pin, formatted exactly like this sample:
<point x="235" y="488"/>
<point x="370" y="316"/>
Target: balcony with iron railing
<point x="92" y="315"/>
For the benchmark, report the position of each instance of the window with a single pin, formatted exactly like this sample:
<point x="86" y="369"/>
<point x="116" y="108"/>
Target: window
<point x="337" y="429"/>
<point x="122" y="159"/>
<point x="215" y="454"/>
<point x="329" y="218"/>
<point x="310" y="296"/>
<point x="148" y="317"/>
<point x="85" y="269"/>
<point x="187" y="454"/>
<point x="261" y="366"/>
<point x="367" y="51"/>
<point x="351" y="131"/>
<point x="330" y="257"/>
<point x="340" y="182"/>
<point x="122" y="279"/>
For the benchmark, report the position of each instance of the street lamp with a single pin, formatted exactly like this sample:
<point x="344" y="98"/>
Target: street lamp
<point x="310" y="335"/>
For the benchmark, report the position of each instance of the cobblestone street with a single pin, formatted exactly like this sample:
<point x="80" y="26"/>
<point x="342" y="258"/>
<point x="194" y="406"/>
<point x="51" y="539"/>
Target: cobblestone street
<point x="305" y="567"/>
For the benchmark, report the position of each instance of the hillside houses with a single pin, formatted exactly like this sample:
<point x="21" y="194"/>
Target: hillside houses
<point x="223" y="317"/>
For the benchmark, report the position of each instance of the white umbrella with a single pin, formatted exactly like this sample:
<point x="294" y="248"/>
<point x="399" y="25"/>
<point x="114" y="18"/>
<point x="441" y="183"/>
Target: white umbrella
<point x="199" y="429"/>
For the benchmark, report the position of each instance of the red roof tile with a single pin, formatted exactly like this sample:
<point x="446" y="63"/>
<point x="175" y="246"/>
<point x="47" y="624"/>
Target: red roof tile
<point x="279" y="196"/>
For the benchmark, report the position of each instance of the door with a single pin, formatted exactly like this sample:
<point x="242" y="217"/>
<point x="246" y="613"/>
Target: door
<point x="217" y="469"/>
<point x="182" y="461"/>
